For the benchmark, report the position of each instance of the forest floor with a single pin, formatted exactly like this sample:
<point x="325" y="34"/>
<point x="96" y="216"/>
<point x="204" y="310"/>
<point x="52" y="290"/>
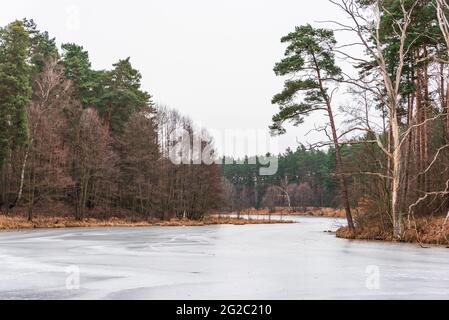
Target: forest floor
<point x="18" y="222"/>
<point x="425" y="231"/>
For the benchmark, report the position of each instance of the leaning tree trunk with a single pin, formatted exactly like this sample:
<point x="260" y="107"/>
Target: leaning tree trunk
<point x="341" y="177"/>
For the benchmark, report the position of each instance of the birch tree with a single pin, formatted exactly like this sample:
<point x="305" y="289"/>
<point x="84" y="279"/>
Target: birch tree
<point x="387" y="86"/>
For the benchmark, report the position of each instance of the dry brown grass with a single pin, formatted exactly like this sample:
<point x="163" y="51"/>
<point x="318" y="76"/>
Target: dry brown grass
<point x="362" y="233"/>
<point x="18" y="222"/>
<point x="423" y="230"/>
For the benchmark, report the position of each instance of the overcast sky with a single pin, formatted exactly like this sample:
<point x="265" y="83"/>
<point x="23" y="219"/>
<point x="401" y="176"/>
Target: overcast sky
<point x="212" y="60"/>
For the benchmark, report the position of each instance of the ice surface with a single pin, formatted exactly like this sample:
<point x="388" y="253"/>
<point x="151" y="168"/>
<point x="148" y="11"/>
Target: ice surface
<point x="284" y="261"/>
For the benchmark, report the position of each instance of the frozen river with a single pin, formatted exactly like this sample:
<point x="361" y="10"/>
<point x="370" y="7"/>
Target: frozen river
<point x="297" y="261"/>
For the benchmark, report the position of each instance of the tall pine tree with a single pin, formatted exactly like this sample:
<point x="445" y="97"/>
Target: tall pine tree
<point x="15" y="88"/>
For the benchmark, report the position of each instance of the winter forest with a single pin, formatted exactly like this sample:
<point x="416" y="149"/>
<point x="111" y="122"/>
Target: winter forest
<point x="80" y="142"/>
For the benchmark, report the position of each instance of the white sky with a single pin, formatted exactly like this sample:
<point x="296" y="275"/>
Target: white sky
<point x="212" y="60"/>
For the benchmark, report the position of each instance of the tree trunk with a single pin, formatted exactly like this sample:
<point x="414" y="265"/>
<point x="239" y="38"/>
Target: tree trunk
<point x="22" y="179"/>
<point x="426" y="124"/>
<point x="418" y="133"/>
<point x="409" y="149"/>
<point x="342" y="179"/>
<point x="395" y="200"/>
<point x="447" y="110"/>
<point x="256" y="192"/>
<point x="32" y="195"/>
<point x="2" y="187"/>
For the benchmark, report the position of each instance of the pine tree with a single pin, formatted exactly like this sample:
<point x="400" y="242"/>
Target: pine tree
<point x="42" y="47"/>
<point x="78" y="69"/>
<point x="15" y="88"/>
<point x="310" y="64"/>
<point x="122" y="95"/>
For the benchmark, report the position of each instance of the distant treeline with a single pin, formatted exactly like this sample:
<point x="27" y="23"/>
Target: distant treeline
<point x="304" y="178"/>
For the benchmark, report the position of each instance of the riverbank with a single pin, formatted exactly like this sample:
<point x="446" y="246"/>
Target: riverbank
<point x="294" y="211"/>
<point x="430" y="231"/>
<point x="19" y="222"/>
